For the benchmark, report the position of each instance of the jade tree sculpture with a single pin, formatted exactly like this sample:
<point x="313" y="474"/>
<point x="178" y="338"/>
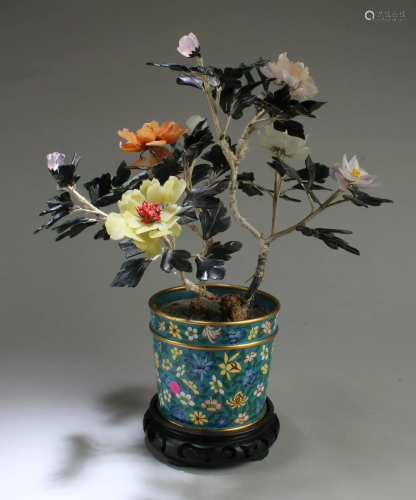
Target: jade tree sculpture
<point x="198" y="164"/>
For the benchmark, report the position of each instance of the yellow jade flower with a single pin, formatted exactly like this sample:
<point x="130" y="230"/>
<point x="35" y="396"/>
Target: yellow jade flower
<point x="147" y="214"/>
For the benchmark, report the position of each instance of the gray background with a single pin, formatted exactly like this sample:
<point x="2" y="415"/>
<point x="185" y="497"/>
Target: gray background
<point x="76" y="370"/>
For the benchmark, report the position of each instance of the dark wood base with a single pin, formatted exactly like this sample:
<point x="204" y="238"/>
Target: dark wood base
<point x="198" y="448"/>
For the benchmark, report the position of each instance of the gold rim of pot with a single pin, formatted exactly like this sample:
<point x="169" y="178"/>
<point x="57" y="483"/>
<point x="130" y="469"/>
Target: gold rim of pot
<point x="219" y="323"/>
<point x="211" y="347"/>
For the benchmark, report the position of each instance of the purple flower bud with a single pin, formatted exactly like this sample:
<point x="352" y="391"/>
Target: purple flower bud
<point x="189" y="45"/>
<point x="55" y="160"/>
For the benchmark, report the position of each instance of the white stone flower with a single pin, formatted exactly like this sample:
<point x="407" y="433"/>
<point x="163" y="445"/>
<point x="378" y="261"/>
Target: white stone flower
<point x="185" y="399"/>
<point x="275" y="141"/>
<point x="147" y="214"/>
<point x="55" y="160"/>
<point x="351" y="174"/>
<point x="193" y="121"/>
<point x="189" y="45"/>
<point x="296" y="75"/>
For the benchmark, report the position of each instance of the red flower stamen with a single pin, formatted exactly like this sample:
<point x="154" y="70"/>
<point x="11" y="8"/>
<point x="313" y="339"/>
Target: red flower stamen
<point x="149" y="212"/>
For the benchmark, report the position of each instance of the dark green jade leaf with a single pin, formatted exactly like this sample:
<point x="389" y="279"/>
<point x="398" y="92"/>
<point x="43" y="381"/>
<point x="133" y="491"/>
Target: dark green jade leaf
<point x="176" y="259"/>
<point x="131" y="272"/>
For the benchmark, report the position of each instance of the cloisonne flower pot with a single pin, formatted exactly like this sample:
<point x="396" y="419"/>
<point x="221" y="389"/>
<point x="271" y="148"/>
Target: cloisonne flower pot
<point x="211" y="407"/>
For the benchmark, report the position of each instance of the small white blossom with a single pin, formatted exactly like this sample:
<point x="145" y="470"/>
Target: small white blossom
<point x="275" y="141"/>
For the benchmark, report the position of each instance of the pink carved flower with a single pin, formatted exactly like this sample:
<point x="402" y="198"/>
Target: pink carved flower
<point x="55" y="160"/>
<point x="250" y="356"/>
<point x="210" y="333"/>
<point x="211" y="404"/>
<point x="267" y="327"/>
<point x="162" y="326"/>
<point x="259" y="390"/>
<point x="189" y="45"/>
<point x="350" y="174"/>
<point x="242" y="418"/>
<point x="296" y="75"/>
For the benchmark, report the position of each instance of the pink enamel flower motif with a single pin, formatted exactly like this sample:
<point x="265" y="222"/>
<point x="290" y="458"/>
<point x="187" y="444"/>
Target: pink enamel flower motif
<point x="211" y="404"/>
<point x="351" y="174"/>
<point x="296" y="75"/>
<point x="242" y="418"/>
<point x="267" y="327"/>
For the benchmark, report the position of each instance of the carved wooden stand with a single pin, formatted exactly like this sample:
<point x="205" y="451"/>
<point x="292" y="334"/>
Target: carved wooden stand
<point x="196" y="448"/>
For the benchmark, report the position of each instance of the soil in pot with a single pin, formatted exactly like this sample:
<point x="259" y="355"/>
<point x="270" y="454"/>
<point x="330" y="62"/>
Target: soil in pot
<point x="207" y="311"/>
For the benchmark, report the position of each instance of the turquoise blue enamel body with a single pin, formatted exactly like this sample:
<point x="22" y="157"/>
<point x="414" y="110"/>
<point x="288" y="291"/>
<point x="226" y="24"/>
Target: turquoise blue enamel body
<point x="212" y="376"/>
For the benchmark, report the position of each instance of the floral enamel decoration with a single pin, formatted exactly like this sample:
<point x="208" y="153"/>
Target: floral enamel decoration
<point x="216" y="385"/>
<point x="191" y="333"/>
<point x="221" y="421"/>
<point x="230" y="365"/>
<point x="176" y="353"/>
<point x="189" y="46"/>
<point x="211" y="333"/>
<point x="351" y="174"/>
<point x="238" y="400"/>
<point x="167" y="395"/>
<point x="267" y="327"/>
<point x="166" y="364"/>
<point x="275" y="142"/>
<point x="264" y="368"/>
<point x="174" y="330"/>
<point x="185" y="399"/>
<point x="162" y="326"/>
<point x="151" y="138"/>
<point x="180" y="371"/>
<point x="161" y="402"/>
<point x="177" y="413"/>
<point x="249" y="377"/>
<point x="250" y="356"/>
<point x="193" y="121"/>
<point x="157" y="360"/>
<point x="242" y="418"/>
<point x="198" y="418"/>
<point x="55" y="160"/>
<point x="264" y="353"/>
<point x="259" y="390"/>
<point x="253" y="332"/>
<point x="296" y="75"/>
<point x="191" y="385"/>
<point x="211" y="404"/>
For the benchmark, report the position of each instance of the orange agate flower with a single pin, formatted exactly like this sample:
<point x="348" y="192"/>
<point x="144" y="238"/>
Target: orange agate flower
<point x="151" y="138"/>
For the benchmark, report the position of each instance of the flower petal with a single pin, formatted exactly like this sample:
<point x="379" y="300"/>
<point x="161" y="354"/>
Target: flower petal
<point x="343" y="183"/>
<point x="115" y="226"/>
